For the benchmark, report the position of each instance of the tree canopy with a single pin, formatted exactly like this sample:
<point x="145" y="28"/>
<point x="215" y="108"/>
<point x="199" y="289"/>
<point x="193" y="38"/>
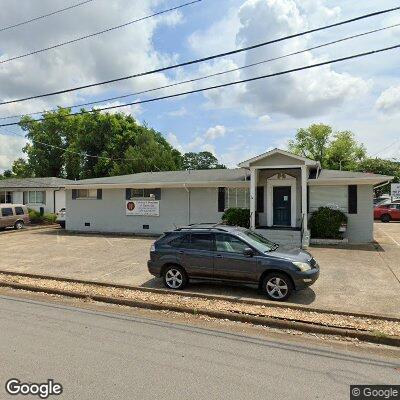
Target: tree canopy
<point x="334" y="150"/>
<point x="93" y="145"/>
<point x="201" y="160"/>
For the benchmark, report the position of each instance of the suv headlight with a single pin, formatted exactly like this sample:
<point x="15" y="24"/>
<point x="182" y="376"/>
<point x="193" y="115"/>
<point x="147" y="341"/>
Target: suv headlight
<point x="302" y="266"/>
<point x="152" y="248"/>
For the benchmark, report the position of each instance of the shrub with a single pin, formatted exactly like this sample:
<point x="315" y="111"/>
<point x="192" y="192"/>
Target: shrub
<point x="37" y="218"/>
<point x="325" y="223"/>
<point x="237" y="217"/>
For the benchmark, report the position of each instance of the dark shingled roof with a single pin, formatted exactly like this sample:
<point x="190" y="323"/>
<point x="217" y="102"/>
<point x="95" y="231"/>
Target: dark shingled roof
<point x="335" y="174"/>
<point x="207" y="175"/>
<point x="51" y="182"/>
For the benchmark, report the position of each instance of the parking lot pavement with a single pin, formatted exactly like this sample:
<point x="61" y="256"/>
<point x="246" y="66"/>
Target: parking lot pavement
<point x="353" y="278"/>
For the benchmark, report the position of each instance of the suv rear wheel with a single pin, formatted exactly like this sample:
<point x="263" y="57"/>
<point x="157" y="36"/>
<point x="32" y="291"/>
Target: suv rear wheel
<point x="385" y="218"/>
<point x="19" y="225"/>
<point x="277" y="286"/>
<point x="175" y="277"/>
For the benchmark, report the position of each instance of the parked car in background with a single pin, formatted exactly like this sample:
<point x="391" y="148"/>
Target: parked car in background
<point x="231" y="254"/>
<point x="387" y="212"/>
<point x="13" y="215"/>
<point x="61" y="218"/>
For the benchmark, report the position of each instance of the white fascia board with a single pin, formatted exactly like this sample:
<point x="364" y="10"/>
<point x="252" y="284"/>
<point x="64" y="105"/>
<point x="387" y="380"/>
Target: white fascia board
<point x="239" y="184"/>
<point x="349" y="181"/>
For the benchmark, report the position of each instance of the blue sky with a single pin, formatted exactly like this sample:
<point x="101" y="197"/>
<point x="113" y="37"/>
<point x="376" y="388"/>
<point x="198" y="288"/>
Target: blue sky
<point x="235" y="123"/>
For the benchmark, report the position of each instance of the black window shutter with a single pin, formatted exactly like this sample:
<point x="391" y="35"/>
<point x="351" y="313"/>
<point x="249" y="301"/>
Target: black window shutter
<point x="128" y="194"/>
<point x="99" y="194"/>
<point x="25" y="197"/>
<point x="352" y="198"/>
<point x="221" y="199"/>
<point x="157" y="194"/>
<point x="308" y="199"/>
<point x="74" y="194"/>
<point x="260" y="198"/>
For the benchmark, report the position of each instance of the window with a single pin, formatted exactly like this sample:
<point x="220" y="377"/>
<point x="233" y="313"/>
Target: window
<point x="229" y="244"/>
<point x="335" y="197"/>
<point x="201" y="241"/>
<point x="143" y="193"/>
<point x="237" y="197"/>
<point x="36" y="197"/>
<point x="19" y="211"/>
<point x="87" y="194"/>
<point x="6" y="212"/>
<point x="5" y="197"/>
<point x="180" y="241"/>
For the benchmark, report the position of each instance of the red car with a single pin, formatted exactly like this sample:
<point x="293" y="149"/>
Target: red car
<point x="387" y="212"/>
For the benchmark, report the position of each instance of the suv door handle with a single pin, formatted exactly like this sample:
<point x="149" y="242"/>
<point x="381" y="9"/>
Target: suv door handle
<point x="218" y="256"/>
<point x="181" y="252"/>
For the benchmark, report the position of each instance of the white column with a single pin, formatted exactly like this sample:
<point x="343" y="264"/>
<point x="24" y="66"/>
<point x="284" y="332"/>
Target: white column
<point x="253" y="185"/>
<point x="304" y="196"/>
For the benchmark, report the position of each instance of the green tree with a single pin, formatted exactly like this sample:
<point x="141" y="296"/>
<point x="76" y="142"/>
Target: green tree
<point x="344" y="152"/>
<point x="94" y="145"/>
<point x="312" y="142"/>
<point x="201" y="160"/>
<point x="334" y="150"/>
<point x="383" y="167"/>
<point x="21" y="169"/>
<point x="7" y="174"/>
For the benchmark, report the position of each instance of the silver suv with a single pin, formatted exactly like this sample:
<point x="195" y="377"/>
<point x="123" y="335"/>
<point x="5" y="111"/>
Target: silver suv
<point x="232" y="254"/>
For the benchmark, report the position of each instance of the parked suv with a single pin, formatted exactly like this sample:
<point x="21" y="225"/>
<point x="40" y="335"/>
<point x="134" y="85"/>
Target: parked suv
<point x="15" y="215"/>
<point x="225" y="253"/>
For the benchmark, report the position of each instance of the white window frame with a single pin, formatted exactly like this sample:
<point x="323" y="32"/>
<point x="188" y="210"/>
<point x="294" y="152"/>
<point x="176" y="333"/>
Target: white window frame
<point x="35" y="192"/>
<point x="231" y="198"/>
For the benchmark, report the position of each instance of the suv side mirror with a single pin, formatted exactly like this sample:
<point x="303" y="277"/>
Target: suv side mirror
<point x="248" y="252"/>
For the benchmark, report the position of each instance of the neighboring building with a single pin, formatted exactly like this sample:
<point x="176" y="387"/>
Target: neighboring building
<point x="280" y="189"/>
<point x="36" y="193"/>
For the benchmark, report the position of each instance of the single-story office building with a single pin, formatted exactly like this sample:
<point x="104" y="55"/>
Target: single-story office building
<point x="37" y="193"/>
<point x="281" y="190"/>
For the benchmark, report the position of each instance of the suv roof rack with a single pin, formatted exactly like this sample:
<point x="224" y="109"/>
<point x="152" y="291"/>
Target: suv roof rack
<point x="201" y="226"/>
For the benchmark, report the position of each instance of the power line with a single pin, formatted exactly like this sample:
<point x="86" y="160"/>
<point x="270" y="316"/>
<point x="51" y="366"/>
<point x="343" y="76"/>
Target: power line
<point x="199" y="60"/>
<point x="206" y="76"/>
<point x="98" y="33"/>
<point x="80" y="153"/>
<point x="228" y="84"/>
<point x="44" y="16"/>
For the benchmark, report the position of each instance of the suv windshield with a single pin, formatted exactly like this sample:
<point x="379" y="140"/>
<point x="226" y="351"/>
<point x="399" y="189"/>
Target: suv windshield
<point x="259" y="242"/>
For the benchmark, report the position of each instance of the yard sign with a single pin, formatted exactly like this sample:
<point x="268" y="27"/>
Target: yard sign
<point x="395" y="190"/>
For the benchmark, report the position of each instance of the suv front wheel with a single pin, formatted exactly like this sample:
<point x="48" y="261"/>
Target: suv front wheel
<point x="18" y="225"/>
<point x="175" y="277"/>
<point x="277" y="286"/>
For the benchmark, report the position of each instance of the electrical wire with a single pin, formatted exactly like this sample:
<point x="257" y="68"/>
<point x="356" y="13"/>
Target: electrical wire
<point x="199" y="60"/>
<point x="354" y="56"/>
<point x="44" y="16"/>
<point x="98" y="33"/>
<point x="206" y="76"/>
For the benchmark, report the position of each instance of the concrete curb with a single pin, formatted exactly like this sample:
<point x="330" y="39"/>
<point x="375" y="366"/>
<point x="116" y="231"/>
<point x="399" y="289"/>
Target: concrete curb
<point x="256" y="320"/>
<point x="30" y="228"/>
<point x="206" y="296"/>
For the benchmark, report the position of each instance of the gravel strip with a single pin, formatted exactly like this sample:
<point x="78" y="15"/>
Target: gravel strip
<point x="379" y="326"/>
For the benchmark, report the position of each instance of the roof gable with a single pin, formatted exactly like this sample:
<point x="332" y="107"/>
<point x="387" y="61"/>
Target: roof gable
<point x="276" y="158"/>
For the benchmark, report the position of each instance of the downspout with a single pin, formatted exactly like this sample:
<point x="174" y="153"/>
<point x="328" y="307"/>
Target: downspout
<point x="188" y="192"/>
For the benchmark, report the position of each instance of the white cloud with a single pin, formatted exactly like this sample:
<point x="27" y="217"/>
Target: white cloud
<point x="215" y="132"/>
<point x="10" y="149"/>
<point x="181" y="112"/>
<point x="264" y="118"/>
<point x="301" y="94"/>
<point x="389" y="101"/>
<point x="133" y="110"/>
<point x="209" y="147"/>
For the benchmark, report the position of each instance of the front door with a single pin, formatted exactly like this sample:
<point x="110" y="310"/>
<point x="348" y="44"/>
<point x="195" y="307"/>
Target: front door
<point x="282" y="205"/>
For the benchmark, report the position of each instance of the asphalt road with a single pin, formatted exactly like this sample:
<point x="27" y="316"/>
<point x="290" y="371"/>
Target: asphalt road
<point x="99" y="355"/>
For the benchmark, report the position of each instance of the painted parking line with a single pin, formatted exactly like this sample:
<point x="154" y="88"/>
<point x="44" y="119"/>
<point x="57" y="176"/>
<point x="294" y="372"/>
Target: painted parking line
<point x="108" y="241"/>
<point x="117" y="270"/>
<point x="390" y="237"/>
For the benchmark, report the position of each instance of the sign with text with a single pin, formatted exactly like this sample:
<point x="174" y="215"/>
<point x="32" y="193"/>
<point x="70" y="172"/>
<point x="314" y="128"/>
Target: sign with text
<point x="395" y="190"/>
<point x="150" y="208"/>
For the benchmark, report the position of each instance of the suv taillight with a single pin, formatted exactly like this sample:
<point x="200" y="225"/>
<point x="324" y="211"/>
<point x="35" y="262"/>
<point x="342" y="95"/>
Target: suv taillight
<point x="152" y="248"/>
